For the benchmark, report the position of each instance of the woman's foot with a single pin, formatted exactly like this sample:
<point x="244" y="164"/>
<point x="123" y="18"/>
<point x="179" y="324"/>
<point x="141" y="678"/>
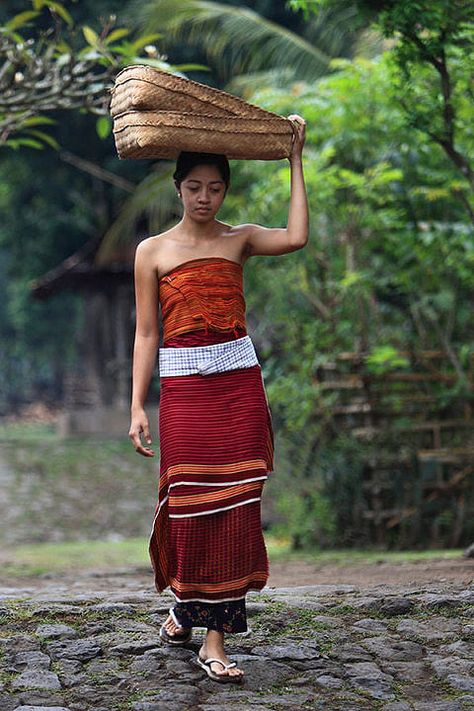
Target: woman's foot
<point x="213" y="646"/>
<point x="173" y="629"/>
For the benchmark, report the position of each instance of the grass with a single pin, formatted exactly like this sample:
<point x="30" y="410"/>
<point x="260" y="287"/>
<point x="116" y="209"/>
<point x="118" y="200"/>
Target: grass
<point x="35" y="559"/>
<point x="95" y="499"/>
<point x="74" y="556"/>
<point x="21" y="432"/>
<point x="73" y="489"/>
<point x="280" y="549"/>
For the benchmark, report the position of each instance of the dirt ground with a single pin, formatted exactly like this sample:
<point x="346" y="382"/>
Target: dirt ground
<point x="460" y="570"/>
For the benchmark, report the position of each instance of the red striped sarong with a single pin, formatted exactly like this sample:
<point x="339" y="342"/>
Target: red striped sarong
<point x="216" y="450"/>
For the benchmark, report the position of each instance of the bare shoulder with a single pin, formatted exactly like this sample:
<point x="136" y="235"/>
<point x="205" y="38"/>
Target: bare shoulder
<point x="152" y="249"/>
<point x="145" y="247"/>
<point x="154" y="243"/>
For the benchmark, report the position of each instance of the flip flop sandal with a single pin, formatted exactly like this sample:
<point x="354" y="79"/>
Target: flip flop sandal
<point x="175" y="639"/>
<point x="223" y="678"/>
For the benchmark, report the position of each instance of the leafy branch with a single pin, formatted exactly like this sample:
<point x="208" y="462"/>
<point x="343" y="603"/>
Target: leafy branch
<point x="45" y="70"/>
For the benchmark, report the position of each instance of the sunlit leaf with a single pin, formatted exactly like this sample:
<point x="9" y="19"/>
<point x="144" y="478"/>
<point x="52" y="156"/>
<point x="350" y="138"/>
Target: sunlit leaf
<point x="30" y="142"/>
<point x="116" y="35"/>
<point x="103" y="126"/>
<point x="21" y="19"/>
<point x="91" y="36"/>
<point x="144" y="40"/>
<point x="61" y="11"/>
<point x="38" y="121"/>
<point x="192" y="68"/>
<point x="45" y="137"/>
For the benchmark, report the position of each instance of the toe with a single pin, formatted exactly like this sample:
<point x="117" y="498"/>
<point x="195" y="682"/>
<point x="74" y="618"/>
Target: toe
<point x="171" y="627"/>
<point x="218" y="669"/>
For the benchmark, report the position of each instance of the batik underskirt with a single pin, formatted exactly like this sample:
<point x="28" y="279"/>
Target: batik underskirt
<point x="216" y="450"/>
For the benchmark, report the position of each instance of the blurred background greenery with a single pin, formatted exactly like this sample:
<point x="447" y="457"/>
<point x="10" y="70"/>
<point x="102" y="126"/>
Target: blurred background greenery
<point x="365" y="336"/>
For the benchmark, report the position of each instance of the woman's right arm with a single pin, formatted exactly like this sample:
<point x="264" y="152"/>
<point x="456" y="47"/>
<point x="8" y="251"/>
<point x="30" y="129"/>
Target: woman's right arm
<point x="146" y="343"/>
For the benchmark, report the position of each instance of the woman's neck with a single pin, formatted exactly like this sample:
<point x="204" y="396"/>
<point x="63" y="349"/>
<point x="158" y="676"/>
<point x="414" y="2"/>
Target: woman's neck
<point x="199" y="231"/>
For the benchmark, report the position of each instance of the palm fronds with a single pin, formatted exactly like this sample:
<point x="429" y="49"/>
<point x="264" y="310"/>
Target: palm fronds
<point x="240" y="39"/>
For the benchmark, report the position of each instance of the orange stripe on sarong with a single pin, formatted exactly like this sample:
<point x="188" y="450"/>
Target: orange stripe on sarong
<point x="219" y="587"/>
<point x="226" y="493"/>
<point x="213" y="469"/>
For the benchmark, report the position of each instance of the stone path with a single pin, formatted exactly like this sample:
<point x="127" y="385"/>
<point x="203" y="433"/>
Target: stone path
<point x="328" y="647"/>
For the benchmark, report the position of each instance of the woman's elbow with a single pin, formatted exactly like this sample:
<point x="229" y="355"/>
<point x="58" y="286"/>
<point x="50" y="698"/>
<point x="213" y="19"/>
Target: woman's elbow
<point x="299" y="241"/>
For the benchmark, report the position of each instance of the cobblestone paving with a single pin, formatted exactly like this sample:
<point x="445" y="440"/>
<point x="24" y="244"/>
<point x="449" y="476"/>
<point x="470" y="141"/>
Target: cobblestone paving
<point x="331" y="647"/>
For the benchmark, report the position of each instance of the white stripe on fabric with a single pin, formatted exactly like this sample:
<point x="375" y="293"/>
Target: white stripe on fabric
<point x="215" y="602"/>
<point x="204" y="513"/>
<point x="221" y="483"/>
<point x="204" y="360"/>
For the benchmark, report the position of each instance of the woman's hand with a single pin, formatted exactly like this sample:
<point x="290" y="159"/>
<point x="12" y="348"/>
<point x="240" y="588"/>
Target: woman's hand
<point x="299" y="135"/>
<point x="138" y="425"/>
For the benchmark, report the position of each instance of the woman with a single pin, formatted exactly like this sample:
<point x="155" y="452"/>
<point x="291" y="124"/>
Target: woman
<point x="216" y="438"/>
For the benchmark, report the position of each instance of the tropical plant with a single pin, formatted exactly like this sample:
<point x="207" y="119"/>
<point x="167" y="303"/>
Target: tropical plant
<point x="44" y="70"/>
<point x="432" y="67"/>
<point x="240" y="41"/>
<point x="388" y="270"/>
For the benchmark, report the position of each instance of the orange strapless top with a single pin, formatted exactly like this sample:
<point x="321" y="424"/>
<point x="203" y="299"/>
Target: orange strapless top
<point x="202" y="293"/>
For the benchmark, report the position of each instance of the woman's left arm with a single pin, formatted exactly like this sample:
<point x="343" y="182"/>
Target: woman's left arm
<point x="267" y="240"/>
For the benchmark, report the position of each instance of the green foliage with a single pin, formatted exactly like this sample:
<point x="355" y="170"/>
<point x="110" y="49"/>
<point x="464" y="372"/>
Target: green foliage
<point x="310" y="519"/>
<point x="236" y="36"/>
<point x="248" y="44"/>
<point x="388" y="268"/>
<point x="384" y="359"/>
<point x="47" y="69"/>
<point x="432" y="65"/>
<point x="104" y="126"/>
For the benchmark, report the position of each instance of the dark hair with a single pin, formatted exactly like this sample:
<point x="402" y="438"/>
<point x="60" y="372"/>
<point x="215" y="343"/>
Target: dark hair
<point x="188" y="160"/>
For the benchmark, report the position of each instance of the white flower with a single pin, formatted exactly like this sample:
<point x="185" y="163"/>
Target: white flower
<point x="151" y="50"/>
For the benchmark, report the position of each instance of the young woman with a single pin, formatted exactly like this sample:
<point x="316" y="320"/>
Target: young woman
<point x="216" y="438"/>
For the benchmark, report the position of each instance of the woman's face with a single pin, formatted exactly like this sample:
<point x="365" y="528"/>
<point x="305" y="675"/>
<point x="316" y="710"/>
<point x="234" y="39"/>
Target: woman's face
<point x="202" y="192"/>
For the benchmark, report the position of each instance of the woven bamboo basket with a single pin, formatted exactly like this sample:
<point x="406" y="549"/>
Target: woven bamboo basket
<point x="142" y="88"/>
<point x="164" y="134"/>
<point x="158" y="115"/>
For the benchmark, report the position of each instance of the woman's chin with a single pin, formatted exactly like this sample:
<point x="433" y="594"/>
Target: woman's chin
<point x="203" y="216"/>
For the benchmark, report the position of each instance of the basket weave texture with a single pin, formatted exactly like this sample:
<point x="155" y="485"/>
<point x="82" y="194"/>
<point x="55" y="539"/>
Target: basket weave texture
<point x="158" y="115"/>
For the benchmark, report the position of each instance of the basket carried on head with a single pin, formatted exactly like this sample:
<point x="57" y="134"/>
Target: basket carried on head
<point x="157" y="115"/>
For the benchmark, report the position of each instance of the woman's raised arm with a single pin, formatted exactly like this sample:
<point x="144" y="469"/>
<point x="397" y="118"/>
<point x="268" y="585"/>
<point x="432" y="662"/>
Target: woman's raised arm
<point x="271" y="240"/>
<point x="146" y="343"/>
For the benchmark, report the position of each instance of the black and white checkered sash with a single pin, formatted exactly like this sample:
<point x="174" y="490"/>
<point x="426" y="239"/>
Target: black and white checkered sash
<point x="204" y="360"/>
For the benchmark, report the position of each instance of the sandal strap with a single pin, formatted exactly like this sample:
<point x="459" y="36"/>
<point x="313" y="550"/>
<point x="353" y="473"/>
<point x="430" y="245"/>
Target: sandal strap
<point x="214" y="659"/>
<point x="174" y="618"/>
